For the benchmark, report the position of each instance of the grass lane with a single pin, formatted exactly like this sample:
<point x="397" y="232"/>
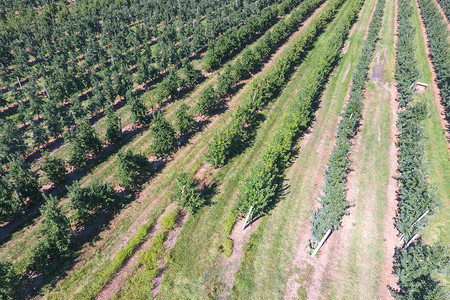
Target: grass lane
<point x="436" y="147"/>
<point x="271" y="249"/>
<point x="195" y="270"/>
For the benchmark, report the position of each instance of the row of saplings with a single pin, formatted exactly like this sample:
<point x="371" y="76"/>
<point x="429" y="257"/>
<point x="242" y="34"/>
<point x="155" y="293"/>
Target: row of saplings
<point x="19" y="185"/>
<point x="415" y="263"/>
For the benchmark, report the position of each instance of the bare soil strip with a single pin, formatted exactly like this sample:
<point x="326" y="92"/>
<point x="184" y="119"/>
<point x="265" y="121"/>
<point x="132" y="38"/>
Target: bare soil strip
<point x="115" y="283"/>
<point x="436" y="91"/>
<point x="168" y="245"/>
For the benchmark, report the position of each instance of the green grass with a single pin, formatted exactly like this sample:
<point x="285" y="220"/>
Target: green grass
<point x="268" y="256"/>
<point x="139" y="285"/>
<point x="111" y="267"/>
<point x="194" y="271"/>
<point x="436" y="147"/>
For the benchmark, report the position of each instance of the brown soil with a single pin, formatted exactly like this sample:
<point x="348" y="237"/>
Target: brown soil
<point x="231" y="264"/>
<point x="434" y="86"/>
<point x="168" y="245"/>
<point x="116" y="282"/>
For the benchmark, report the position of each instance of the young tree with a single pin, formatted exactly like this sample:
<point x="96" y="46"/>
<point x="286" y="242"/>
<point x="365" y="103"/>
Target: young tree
<point x="190" y="74"/>
<point x="113" y="132"/>
<point x="187" y="194"/>
<point x="130" y="168"/>
<point x="54" y="168"/>
<point x="56" y="237"/>
<point x="207" y="101"/>
<point x="184" y="121"/>
<point x="8" y="279"/>
<point x="138" y="110"/>
<point x="53" y="118"/>
<point x="225" y="81"/>
<point x="9" y="205"/>
<point x="168" y="87"/>
<point x="88" y="202"/>
<point x="24" y="179"/>
<point x="164" y="140"/>
<point x="40" y="134"/>
<point x="12" y="142"/>
<point x="83" y="144"/>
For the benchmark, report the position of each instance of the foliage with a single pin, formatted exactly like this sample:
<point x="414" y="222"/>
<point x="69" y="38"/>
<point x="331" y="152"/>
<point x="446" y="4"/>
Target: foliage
<point x="184" y="121"/>
<point x="55" y="235"/>
<point x="164" y="140"/>
<point x="24" y="180"/>
<point x="8" y="280"/>
<point x="9" y="205"/>
<point x="406" y="72"/>
<point x="54" y="168"/>
<point x="88" y="202"/>
<point x="130" y="167"/>
<point x="439" y="47"/>
<point x="138" y="110"/>
<point x="12" y="142"/>
<point x="189" y="73"/>
<point x="333" y="202"/>
<point x="187" y="194"/>
<point x="113" y="132"/>
<point x="416" y="267"/>
<point x="84" y="143"/>
<point x="207" y="101"/>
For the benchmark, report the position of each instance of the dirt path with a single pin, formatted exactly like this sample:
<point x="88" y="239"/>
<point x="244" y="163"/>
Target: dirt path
<point x="231" y="264"/>
<point x="315" y="270"/>
<point x="390" y="233"/>
<point x="116" y="282"/>
<point x="167" y="246"/>
<point x="436" y="92"/>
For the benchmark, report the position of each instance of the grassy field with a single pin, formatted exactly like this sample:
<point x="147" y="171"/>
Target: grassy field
<point x="271" y="257"/>
<point x="436" y="146"/>
<point x="197" y="271"/>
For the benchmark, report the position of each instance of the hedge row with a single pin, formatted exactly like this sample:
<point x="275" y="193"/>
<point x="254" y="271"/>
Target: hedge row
<point x="329" y="215"/>
<point x="224" y="46"/>
<point x="416" y="264"/>
<point x="406" y="71"/>
<point x="440" y="48"/>
<point x="261" y="185"/>
<point x="266" y="87"/>
<point x="445" y="4"/>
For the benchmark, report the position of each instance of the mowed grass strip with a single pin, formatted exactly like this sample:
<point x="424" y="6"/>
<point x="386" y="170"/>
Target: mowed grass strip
<point x="359" y="265"/>
<point x="436" y="147"/>
<point x="194" y="270"/>
<point x="269" y="254"/>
